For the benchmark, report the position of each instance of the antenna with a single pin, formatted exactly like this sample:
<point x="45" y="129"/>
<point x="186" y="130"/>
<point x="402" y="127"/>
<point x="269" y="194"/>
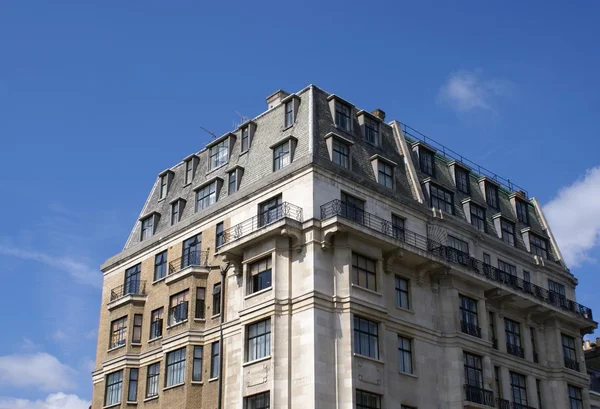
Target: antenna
<point x="209" y="132"/>
<point x="243" y="118"/>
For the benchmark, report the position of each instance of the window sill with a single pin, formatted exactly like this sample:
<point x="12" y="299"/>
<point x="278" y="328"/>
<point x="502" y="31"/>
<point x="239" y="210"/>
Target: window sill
<point x="366" y="290"/>
<point x="136" y="344"/>
<point x="197" y="383"/>
<point x="151" y="398"/>
<point x="187" y="184"/>
<point x="115" y="348"/>
<point x="161" y="199"/>
<point x="114" y="405"/>
<point x="213" y="379"/>
<point x="245" y="152"/>
<point x="258" y="292"/>
<point x="159" y="280"/>
<point x="412" y="375"/>
<point x="155" y="339"/>
<point x="408" y="310"/>
<point x="368" y="358"/>
<point x="199" y="319"/>
<point x="256" y="361"/>
<point x="131" y="403"/>
<point x="285" y="128"/>
<point x="166" y="388"/>
<point x="212" y="317"/>
<point x="177" y="324"/>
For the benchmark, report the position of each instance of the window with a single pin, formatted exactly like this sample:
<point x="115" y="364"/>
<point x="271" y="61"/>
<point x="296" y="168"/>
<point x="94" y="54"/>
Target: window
<point x="258" y="340"/>
<point x="487" y="259"/>
<point x="219" y="154"/>
<point x="473" y="375"/>
<point x="152" y="380"/>
<point x="539" y="393"/>
<point x="214" y="360"/>
<point x="462" y="180"/>
<point x="197" y="364"/>
<point x="191" y="254"/>
<point x="478" y="217"/>
<point x="507" y="268"/>
<point x="508" y="232"/>
<point x="133" y="385"/>
<point x="206" y="196"/>
<point x="341" y="153"/>
<point x="366" y="338"/>
<point x="441" y="199"/>
<point x="518" y="389"/>
<point x="281" y="156"/>
<point x="260" y="275"/>
<point x="557" y="293"/>
<point x="245" y="138"/>
<point x="462" y="254"/>
<point x="219" y="236"/>
<point x="371" y="131"/>
<point x="132" y="280"/>
<point x="575" y="398"/>
<point x="114" y="387"/>
<point x="398" y="227"/>
<point x="118" y="332"/>
<point x="363" y="272"/>
<point x="156" y="323"/>
<point x="367" y="400"/>
<point x="232" y="182"/>
<point x="402" y="299"/>
<point x="175" y="212"/>
<point x="175" y="367"/>
<point x="200" y="297"/>
<point x="522" y="211"/>
<point x="270" y="211"/>
<point x="260" y="401"/>
<point x="289" y="113"/>
<point x="147" y="227"/>
<point x="513" y="338"/>
<point x="385" y="174"/>
<point x="491" y="195"/>
<point x="137" y="329"/>
<point x="469" y="323"/>
<point x="160" y="265"/>
<point x="342" y="116"/>
<point x="538" y="246"/>
<point x="426" y="161"/>
<point x="189" y="171"/>
<point x="164" y="185"/>
<point x="216" y="299"/>
<point x="405" y="355"/>
<point x="178" y="308"/>
<point x="570" y="356"/>
<point x="353" y="208"/>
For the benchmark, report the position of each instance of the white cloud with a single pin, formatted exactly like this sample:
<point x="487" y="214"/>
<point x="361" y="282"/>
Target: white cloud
<point x="53" y="401"/>
<point x="467" y="90"/>
<point x="76" y="269"/>
<point x="40" y="370"/>
<point x="574" y="219"/>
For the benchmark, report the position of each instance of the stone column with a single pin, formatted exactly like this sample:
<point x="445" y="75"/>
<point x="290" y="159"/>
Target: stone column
<point x="526" y="342"/>
<point x="484" y="319"/>
<point x="580" y="355"/>
<point x="500" y="332"/>
<point x="546" y="399"/>
<point x="505" y="383"/>
<point x="532" y="398"/>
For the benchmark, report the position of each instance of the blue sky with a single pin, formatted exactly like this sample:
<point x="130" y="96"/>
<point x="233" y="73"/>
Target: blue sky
<point x="96" y="98"/>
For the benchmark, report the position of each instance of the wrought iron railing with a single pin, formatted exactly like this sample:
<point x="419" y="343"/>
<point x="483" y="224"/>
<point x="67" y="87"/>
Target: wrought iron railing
<point x="194" y="258"/>
<point x="502" y="403"/>
<point x="135" y="287"/>
<point x="264" y="219"/>
<point x="572" y="364"/>
<point x="470" y="329"/>
<point x="515" y="350"/>
<point x="342" y="209"/>
<point x="479" y="395"/>
<point x="516" y="405"/>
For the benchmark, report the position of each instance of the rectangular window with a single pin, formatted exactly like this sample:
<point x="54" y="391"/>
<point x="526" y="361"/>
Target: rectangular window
<point x="200" y="297"/>
<point x="245" y="138"/>
<point x="118" y="332"/>
<point x="214" y="360"/>
<point x="518" y="389"/>
<point x="353" y="208"/>
<point x="385" y="174"/>
<point x="259" y="401"/>
<point x="232" y="182"/>
<point x="473" y="372"/>
<point x="405" y="363"/>
<point x="342" y="116"/>
<point x="197" y="364"/>
<point x="191" y="254"/>
<point x="367" y="400"/>
<point x="175" y="367"/>
<point x="219" y="154"/>
<point x="189" y="171"/>
<point x="258" y="340"/>
<point x="164" y="186"/>
<point x="178" y="307"/>
<point x="398" y="227"/>
<point x="206" y="196"/>
<point x="497" y="378"/>
<point x="160" y="265"/>
<point x="491" y="195"/>
<point x="219" y="237"/>
<point x="426" y="161"/>
<point x="175" y="214"/>
<point x="156" y="323"/>
<point x="371" y="131"/>
<point x="114" y="388"/>
<point x="147" y="227"/>
<point x="575" y="398"/>
<point x="522" y="211"/>
<point x="538" y="246"/>
<point x="260" y="275"/>
<point x="462" y="180"/>
<point x="289" y="113"/>
<point x="507" y="268"/>
<point x="402" y="299"/>
<point x="461" y="253"/>
<point x="526" y="280"/>
<point x="441" y="199"/>
<point x="366" y="338"/>
<point x="569" y="354"/>
<point x="363" y="272"/>
<point x="508" y="232"/>
<point x="270" y="211"/>
<point x="478" y="217"/>
<point x="152" y="380"/>
<point x="341" y="153"/>
<point x="469" y="322"/>
<point x="487" y="259"/>
<point x="281" y="156"/>
<point x="137" y="329"/>
<point x="216" y="299"/>
<point x="513" y="338"/>
<point x="557" y="293"/>
<point x="132" y="280"/>
<point x="133" y="385"/>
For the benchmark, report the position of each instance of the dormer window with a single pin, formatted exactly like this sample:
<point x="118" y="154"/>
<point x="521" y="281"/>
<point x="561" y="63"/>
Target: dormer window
<point x="385" y="174"/>
<point x="283" y="153"/>
<point x="372" y="131"/>
<point x="491" y="195"/>
<point x="426" y="161"/>
<point x="235" y="177"/>
<point x="164" y="182"/>
<point x="342" y="116"/>
<point x="538" y="246"/>
<point x="289" y="113"/>
<point x="508" y="231"/>
<point x="522" y="211"/>
<point x="441" y="199"/>
<point x="207" y="193"/>
<point x="219" y="154"/>
<point x="189" y="171"/>
<point x="462" y="180"/>
<point x="176" y="210"/>
<point x="247" y="130"/>
<point x="149" y="225"/>
<point x="341" y="153"/>
<point x="245" y="138"/>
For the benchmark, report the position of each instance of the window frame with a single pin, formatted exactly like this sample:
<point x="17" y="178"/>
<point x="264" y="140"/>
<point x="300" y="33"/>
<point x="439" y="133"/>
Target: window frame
<point x="289" y="113"/>
<point x="522" y="210"/>
<point x="512" y="331"/>
<point x="258" y="340"/>
<point x="245" y="142"/>
<point x="219" y="234"/>
<point x="214" y="360"/>
<point x="427" y="161"/>
<point x="353" y="207"/>
<point x="113" y="388"/>
<point x="405" y="355"/>
<point x="133" y="385"/>
<point x="441" y="196"/>
<point x="575" y="397"/>
<point x="160" y="265"/>
<point x="136" y="335"/>
<point x="568" y="349"/>
<point x="340" y="153"/>
<point x="232" y="182"/>
<point x="147" y="229"/>
<point x="343" y="116"/>
<point x="492" y="197"/>
<point x="175" y="212"/>
<point x="200" y="308"/>
<point x="521" y="387"/>
<point x="175" y="370"/>
<point x="538" y="246"/>
<point x="189" y="171"/>
<point x="164" y="186"/>
<point x="197" y="363"/>
<point x="282" y="155"/>
<point x="254" y="401"/>
<point x="385" y="174"/>
<point x="216" y="299"/>
<point x="507" y="229"/>
<point x="260" y="275"/>
<point x="473" y="365"/>
<point x="152" y="380"/>
<point x="367" y="400"/>
<point x="480" y="223"/>
<point x="402" y="293"/>
<point x="371" y="131"/>
<point x="118" y="334"/>
<point x="206" y="196"/>
<point x="216" y="154"/>
<point x="469" y="316"/>
<point x="359" y="271"/>
<point x="370" y="334"/>
<point x="462" y="179"/>
<point x="179" y="307"/>
<point x="156" y="323"/>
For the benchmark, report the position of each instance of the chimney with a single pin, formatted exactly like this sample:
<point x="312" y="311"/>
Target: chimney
<point x="379" y="114"/>
<point x="275" y="98"/>
<point x="587" y="345"/>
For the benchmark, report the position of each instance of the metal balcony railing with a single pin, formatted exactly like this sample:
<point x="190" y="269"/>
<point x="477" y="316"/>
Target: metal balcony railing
<point x="502" y="403"/>
<point x="470" y="329"/>
<point x="194" y="258"/>
<point x="572" y="364"/>
<point x="515" y="350"/>
<point x="479" y="395"/>
<point x="264" y="219"/>
<point x="342" y="209"/>
<point x="516" y="405"/>
<point x="135" y="287"/>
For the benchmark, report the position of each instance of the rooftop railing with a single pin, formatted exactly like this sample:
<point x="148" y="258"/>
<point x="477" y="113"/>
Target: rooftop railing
<point x="134" y="287"/>
<point x="193" y="258"/>
<point x="345" y="210"/>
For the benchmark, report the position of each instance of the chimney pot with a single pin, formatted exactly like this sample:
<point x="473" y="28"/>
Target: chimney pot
<point x="379" y="114"/>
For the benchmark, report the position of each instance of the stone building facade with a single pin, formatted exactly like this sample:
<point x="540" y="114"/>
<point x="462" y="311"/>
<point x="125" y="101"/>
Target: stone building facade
<point x="320" y="257"/>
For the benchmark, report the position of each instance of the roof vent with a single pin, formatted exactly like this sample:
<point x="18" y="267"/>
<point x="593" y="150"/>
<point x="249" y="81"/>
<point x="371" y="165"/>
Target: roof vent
<point x="379" y="114"/>
<point x="275" y="98"/>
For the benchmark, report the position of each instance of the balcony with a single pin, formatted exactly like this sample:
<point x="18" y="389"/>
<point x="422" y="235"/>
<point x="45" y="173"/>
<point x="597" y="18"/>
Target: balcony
<point x="470" y="329"/>
<point x="502" y="403"/>
<point x="192" y="263"/>
<point x="479" y="395"/>
<point x="515" y="350"/>
<point x="337" y="208"/>
<point x="516" y="405"/>
<point x="131" y="291"/>
<point x="572" y="364"/>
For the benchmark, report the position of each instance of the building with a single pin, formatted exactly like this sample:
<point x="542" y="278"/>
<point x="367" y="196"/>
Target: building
<point x="334" y="260"/>
<point x="592" y="362"/>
